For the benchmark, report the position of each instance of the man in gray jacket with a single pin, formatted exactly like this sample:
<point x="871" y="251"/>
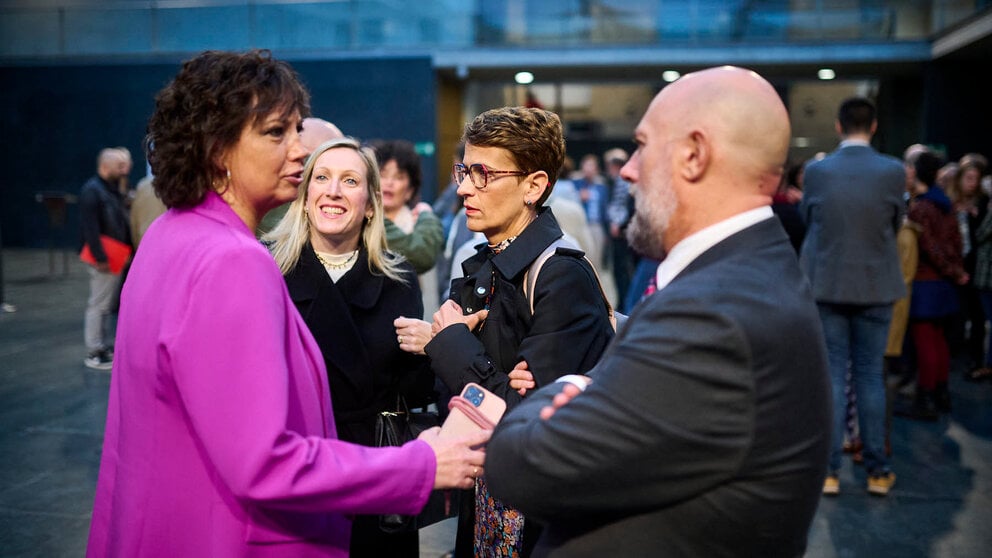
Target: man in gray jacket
<point x="853" y="206"/>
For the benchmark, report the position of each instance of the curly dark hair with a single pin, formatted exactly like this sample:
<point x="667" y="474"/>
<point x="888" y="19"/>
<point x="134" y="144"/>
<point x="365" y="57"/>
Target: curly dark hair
<point x="406" y="159"/>
<point x="533" y="136"/>
<point x="202" y="112"/>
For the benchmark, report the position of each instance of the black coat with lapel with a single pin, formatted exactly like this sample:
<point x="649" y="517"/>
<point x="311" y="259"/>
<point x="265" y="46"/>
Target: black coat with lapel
<point x="568" y="330"/>
<point x="352" y="321"/>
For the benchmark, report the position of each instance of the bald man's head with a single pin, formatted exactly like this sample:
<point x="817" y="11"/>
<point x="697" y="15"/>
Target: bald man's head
<point x="712" y="145"/>
<point x="739" y="111"/>
<point x="316" y="131"/>
<point x="112" y="163"/>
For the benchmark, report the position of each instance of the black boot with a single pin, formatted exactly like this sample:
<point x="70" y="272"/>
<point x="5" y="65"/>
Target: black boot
<point x="922" y="408"/>
<point x="942" y="398"/>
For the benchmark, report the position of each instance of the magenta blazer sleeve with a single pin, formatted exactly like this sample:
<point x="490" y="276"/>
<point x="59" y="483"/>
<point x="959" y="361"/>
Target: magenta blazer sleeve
<point x="220" y="439"/>
<point x="228" y="352"/>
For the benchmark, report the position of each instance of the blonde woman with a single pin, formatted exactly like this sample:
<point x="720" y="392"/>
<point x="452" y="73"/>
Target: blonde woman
<point x="331" y="248"/>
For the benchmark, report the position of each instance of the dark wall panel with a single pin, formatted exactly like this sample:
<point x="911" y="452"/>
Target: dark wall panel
<point x="56" y="119"/>
<point x="378" y="99"/>
<point x="957" y="108"/>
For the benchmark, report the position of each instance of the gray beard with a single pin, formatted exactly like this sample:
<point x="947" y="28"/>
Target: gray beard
<point x="644" y="240"/>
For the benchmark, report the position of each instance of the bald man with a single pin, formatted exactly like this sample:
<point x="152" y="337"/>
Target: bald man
<point x="315" y="132"/>
<point x="102" y="213"/>
<point x="706" y="425"/>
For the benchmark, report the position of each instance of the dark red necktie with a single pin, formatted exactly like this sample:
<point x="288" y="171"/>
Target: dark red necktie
<point x="652" y="286"/>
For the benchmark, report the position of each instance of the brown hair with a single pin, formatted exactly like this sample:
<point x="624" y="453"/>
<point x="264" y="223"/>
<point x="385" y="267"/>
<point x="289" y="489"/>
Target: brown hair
<point x="202" y="112"/>
<point x="533" y="137"/>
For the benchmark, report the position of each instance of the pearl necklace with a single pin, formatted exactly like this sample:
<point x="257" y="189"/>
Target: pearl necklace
<point x="337" y="265"/>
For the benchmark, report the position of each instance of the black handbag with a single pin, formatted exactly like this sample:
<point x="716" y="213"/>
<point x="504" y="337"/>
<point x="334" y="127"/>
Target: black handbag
<point x="395" y="428"/>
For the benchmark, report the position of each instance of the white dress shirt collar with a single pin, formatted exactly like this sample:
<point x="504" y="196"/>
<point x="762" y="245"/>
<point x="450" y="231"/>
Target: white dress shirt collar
<point x="692" y="246"/>
<point x="852" y="142"/>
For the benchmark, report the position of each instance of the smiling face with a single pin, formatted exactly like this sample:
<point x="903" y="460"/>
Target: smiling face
<point x="266" y="165"/>
<point x="337" y="200"/>
<point x="498" y="211"/>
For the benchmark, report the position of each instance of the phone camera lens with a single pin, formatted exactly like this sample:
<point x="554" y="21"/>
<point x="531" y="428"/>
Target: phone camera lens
<point x="474" y="395"/>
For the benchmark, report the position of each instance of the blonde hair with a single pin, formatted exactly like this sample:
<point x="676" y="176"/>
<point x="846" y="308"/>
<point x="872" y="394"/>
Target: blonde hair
<point x="288" y="238"/>
<point x="954" y="190"/>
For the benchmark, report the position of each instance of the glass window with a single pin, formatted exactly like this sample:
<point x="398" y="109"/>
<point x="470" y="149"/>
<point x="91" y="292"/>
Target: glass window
<point x="29" y="33"/>
<point x="107" y="31"/>
<point x="196" y="29"/>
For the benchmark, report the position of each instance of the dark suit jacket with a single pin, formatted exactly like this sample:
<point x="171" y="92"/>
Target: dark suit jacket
<point x="705" y="431"/>
<point x="853" y="207"/>
<point x="352" y="321"/>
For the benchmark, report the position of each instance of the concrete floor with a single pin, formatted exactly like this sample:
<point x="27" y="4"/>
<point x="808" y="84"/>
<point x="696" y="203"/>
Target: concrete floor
<point x="52" y="413"/>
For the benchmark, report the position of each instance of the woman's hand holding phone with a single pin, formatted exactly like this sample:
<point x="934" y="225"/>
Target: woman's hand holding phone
<point x="458" y="464"/>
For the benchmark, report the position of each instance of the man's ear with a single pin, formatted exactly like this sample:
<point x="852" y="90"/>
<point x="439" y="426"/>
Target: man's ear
<point x="694" y="154"/>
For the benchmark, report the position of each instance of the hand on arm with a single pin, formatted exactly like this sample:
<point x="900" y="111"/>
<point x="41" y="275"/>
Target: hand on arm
<point x="567" y="394"/>
<point x="521" y="379"/>
<point x="450" y="313"/>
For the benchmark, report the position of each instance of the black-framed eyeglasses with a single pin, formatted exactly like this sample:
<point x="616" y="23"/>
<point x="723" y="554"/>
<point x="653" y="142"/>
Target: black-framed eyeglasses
<point x="480" y="174"/>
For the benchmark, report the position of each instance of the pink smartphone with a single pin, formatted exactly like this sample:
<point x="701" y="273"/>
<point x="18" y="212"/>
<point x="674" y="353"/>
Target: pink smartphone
<point x="475" y="409"/>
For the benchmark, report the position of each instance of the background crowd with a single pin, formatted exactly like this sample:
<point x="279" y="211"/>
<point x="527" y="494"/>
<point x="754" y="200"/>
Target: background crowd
<point x="365" y="300"/>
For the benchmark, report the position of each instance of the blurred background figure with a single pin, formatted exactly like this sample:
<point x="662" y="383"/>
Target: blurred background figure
<point x="852" y="205"/>
<point x="900" y="368"/>
<point x="145" y="207"/>
<point x="5" y="307"/>
<point x="102" y="212"/>
<point x="935" y="298"/>
<point x="967" y="329"/>
<point x="618" y="212"/>
<point x="594" y="197"/>
<point x="412" y="229"/>
<point x="785" y="204"/>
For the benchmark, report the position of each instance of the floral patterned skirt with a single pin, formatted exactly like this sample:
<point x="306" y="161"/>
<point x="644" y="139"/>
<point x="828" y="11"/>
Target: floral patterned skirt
<point x="498" y="527"/>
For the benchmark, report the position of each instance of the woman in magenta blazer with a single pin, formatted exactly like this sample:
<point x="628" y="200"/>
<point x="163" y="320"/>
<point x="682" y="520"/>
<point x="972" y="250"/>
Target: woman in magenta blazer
<point x="220" y="439"/>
